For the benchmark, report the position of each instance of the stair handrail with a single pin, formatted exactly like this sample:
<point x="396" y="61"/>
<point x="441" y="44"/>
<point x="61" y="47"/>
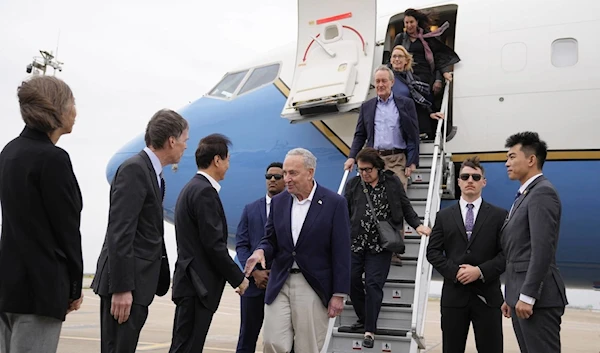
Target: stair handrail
<point x="331" y="323"/>
<point x="423" y="274"/>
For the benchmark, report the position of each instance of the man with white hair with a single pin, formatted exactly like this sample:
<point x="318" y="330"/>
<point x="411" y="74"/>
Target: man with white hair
<point x="307" y="242"/>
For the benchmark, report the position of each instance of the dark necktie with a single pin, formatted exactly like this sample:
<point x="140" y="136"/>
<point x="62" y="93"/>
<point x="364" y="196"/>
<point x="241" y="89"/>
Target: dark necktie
<point x="469" y="220"/>
<point x="162" y="187"/>
<point x="514" y="202"/>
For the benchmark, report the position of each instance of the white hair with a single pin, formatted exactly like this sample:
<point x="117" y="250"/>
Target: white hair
<point x="310" y="161"/>
<point x="385" y="68"/>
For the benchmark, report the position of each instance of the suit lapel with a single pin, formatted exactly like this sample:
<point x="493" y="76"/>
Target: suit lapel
<point x="373" y="110"/>
<point x="481" y="216"/>
<point x="456" y="212"/>
<point x="316" y="205"/>
<point x="152" y="172"/>
<point x="263" y="210"/>
<point x="521" y="198"/>
<point x="287" y="215"/>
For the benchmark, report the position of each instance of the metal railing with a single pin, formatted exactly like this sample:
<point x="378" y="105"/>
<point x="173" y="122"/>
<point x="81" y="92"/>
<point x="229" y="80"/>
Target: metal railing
<point x="434" y="198"/>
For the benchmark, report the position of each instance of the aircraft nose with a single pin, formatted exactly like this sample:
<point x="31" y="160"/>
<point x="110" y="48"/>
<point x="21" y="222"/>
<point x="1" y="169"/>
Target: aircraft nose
<point x="132" y="147"/>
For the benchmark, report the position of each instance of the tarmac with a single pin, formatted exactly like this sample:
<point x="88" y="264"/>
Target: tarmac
<point x="580" y="329"/>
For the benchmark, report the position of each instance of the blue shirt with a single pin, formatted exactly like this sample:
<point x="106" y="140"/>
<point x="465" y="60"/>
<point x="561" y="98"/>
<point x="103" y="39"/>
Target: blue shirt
<point x="387" y="125"/>
<point x="400" y="89"/>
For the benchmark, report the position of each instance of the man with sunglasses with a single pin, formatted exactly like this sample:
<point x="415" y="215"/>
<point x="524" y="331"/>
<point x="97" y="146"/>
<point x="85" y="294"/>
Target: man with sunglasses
<point x="465" y="248"/>
<point x="249" y="234"/>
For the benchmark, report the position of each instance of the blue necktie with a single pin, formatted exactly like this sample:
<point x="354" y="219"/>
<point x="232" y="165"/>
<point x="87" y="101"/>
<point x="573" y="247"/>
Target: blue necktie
<point x="515" y="201"/>
<point x="469" y="221"/>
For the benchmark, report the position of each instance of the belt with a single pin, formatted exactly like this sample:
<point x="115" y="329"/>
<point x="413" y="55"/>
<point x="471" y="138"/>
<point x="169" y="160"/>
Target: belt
<point x="390" y="152"/>
<point x="294" y="270"/>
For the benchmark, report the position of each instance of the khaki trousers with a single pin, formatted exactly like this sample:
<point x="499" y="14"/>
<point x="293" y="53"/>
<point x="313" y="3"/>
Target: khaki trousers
<point x="397" y="164"/>
<point x="297" y="316"/>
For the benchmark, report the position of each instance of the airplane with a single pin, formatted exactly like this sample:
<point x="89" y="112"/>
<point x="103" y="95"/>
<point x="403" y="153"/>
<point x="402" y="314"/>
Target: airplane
<point x="525" y="65"/>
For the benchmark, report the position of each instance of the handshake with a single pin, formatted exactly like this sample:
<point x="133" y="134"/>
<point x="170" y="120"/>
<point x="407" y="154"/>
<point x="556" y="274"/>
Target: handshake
<point x="241" y="289"/>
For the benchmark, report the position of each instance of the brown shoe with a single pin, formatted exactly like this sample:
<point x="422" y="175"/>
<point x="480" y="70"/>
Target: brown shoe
<point x="396" y="260"/>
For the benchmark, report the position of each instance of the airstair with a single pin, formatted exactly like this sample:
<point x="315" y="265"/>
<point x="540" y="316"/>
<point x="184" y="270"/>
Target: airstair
<point x="401" y="322"/>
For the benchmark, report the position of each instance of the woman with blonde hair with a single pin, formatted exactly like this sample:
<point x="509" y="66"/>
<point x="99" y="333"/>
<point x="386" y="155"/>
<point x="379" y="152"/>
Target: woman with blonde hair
<point x="41" y="265"/>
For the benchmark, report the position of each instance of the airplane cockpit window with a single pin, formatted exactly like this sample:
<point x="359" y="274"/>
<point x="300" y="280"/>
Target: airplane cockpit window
<point x="259" y="77"/>
<point x="228" y="85"/>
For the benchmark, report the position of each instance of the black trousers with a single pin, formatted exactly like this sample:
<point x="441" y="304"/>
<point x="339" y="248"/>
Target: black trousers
<point x="190" y="326"/>
<point x="252" y="314"/>
<point x="367" y="297"/>
<point x="487" y="325"/>
<point x="539" y="333"/>
<point x="120" y="338"/>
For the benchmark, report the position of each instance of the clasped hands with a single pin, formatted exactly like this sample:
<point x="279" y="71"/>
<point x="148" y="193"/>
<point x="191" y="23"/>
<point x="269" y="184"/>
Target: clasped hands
<point x="467" y="274"/>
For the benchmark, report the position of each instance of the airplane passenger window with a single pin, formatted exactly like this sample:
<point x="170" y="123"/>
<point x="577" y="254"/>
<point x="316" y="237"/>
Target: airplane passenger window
<point x="228" y="85"/>
<point x="259" y="77"/>
<point x="564" y="52"/>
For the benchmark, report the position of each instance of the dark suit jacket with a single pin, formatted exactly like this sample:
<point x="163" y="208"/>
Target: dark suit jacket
<point x="41" y="265"/>
<point x="409" y="127"/>
<point x="203" y="261"/>
<point x="133" y="250"/>
<point x="322" y="251"/>
<point x="400" y="206"/>
<point x="250" y="231"/>
<point x="448" y="249"/>
<point x="529" y="239"/>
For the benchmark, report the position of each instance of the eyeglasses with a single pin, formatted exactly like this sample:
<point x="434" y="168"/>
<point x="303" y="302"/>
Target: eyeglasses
<point x="276" y="176"/>
<point x="465" y="176"/>
<point x="367" y="170"/>
<point x="397" y="56"/>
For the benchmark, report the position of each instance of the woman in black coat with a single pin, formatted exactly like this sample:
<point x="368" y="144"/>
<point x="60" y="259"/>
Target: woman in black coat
<point x="390" y="203"/>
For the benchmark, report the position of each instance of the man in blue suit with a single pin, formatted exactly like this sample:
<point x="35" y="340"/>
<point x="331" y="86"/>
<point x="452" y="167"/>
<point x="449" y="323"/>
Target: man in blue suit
<point x="307" y="241"/>
<point x="249" y="234"/>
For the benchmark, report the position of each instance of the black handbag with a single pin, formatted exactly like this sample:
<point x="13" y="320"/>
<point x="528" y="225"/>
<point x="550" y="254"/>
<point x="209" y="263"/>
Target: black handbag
<point x="389" y="238"/>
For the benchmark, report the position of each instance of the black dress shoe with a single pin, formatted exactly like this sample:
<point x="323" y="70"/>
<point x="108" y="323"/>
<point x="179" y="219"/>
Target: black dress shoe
<point x="358" y="326"/>
<point x="368" y="342"/>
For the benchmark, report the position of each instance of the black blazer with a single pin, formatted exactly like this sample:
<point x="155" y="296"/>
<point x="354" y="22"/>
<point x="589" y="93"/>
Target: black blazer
<point x="409" y="128"/>
<point x="448" y="249"/>
<point x="203" y="261"/>
<point x="399" y="203"/>
<point x="134" y="248"/>
<point x="41" y="265"/>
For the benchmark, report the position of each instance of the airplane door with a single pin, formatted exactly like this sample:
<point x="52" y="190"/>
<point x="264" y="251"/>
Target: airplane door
<point x="334" y="57"/>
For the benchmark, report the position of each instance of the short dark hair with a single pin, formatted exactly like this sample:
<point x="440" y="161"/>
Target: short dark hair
<point x="530" y="144"/>
<point x="370" y="155"/>
<point x="275" y="165"/>
<point x="44" y="101"/>
<point x="473" y="162"/>
<point x="209" y="147"/>
<point x="164" y="123"/>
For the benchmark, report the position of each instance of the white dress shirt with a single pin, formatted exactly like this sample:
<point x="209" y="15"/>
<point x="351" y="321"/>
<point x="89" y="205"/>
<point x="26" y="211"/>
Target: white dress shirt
<point x="299" y="212"/>
<point x="525" y="298"/>
<point x="212" y="181"/>
<point x="155" y="163"/>
<point x="268" y="199"/>
<point x="463" y="210"/>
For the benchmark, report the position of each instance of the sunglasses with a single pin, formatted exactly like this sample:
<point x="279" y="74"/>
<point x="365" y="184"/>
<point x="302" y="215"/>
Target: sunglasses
<point x="465" y="176"/>
<point x="367" y="170"/>
<point x="276" y="176"/>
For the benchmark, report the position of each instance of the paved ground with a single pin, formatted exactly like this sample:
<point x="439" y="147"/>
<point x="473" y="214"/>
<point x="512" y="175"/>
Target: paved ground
<point x="81" y="330"/>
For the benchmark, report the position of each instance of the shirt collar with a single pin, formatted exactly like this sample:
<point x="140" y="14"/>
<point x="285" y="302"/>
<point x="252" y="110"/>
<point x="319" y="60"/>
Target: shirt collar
<point x="528" y="182"/>
<point x="155" y="161"/>
<point x="476" y="203"/>
<point x="212" y="181"/>
<point x="390" y="98"/>
<point x="310" y="196"/>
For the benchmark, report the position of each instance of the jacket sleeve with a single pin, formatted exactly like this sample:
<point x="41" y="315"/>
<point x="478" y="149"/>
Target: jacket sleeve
<point x="360" y="134"/>
<point x="411" y="133"/>
<point x="543" y="213"/>
<point x="411" y="217"/>
<point x="269" y="241"/>
<point x="127" y="198"/>
<point x="210" y="227"/>
<point x="243" y="247"/>
<point x="62" y="202"/>
<point x="493" y="268"/>
<point x="435" y="252"/>
<point x="340" y="248"/>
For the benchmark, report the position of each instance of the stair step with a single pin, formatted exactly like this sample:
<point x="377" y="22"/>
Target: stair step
<point x="417" y="191"/>
<point x="425" y="160"/>
<point x="412" y="247"/>
<point x="390" y="317"/>
<point x="419" y="207"/>
<point x="421" y="175"/>
<point x="408" y="270"/>
<point x="426" y="147"/>
<point x="378" y="332"/>
<point x="348" y="342"/>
